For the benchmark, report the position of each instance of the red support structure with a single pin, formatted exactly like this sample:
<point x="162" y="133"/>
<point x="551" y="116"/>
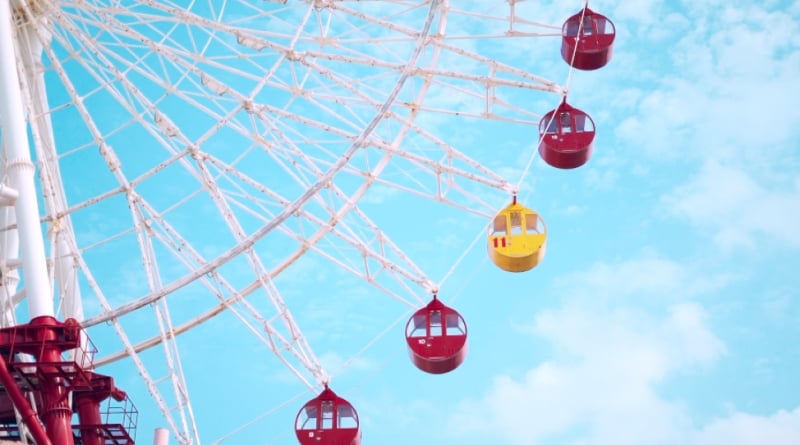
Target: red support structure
<point x="51" y="360"/>
<point x="87" y="404"/>
<point x="93" y="429"/>
<point x="21" y="403"/>
<point x="46" y="339"/>
<point x="88" y="408"/>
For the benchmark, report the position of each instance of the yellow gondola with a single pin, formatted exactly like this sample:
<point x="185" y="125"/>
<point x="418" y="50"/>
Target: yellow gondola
<point x="517" y="238"/>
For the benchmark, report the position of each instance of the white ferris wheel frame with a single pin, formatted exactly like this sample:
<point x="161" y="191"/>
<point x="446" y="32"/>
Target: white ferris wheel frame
<point x="19" y="189"/>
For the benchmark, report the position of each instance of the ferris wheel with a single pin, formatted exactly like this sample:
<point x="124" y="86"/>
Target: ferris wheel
<point x="178" y="175"/>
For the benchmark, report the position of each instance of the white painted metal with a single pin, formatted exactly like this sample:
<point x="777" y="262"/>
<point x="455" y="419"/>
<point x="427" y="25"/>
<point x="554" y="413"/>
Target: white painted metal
<point x="161" y="436"/>
<point x="321" y="62"/>
<point x="20" y="172"/>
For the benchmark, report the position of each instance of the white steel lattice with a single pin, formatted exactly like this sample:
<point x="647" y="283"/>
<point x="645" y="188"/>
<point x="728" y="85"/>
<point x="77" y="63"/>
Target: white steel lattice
<point x="191" y="156"/>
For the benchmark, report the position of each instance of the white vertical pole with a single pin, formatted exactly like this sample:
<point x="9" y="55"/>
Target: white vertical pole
<point x="9" y="250"/>
<point x="20" y="171"/>
<point x="161" y="437"/>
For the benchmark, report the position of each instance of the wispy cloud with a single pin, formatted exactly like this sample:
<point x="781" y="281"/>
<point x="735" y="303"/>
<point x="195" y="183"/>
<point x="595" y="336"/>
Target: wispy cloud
<point x="738" y="209"/>
<point x="647" y="277"/>
<point x="782" y="427"/>
<point x="603" y="385"/>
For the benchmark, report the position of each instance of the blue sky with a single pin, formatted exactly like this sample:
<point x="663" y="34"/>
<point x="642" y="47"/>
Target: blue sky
<point x="665" y="311"/>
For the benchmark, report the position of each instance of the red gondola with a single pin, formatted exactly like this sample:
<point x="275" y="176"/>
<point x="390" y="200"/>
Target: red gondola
<point x="437" y="338"/>
<point x="591" y="42"/>
<point x="566" y="135"/>
<point x="328" y="420"/>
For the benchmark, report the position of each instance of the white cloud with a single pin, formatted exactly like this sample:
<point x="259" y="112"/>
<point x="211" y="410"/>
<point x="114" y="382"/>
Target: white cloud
<point x="729" y="95"/>
<point x="571" y="210"/>
<point x="643" y="12"/>
<point x="738" y="208"/>
<point x="606" y="380"/>
<point x="617" y="338"/>
<point x="336" y="364"/>
<point x="646" y="278"/>
<point x="608" y="377"/>
<point x="781" y="428"/>
<point x="601" y="388"/>
<point x="728" y="107"/>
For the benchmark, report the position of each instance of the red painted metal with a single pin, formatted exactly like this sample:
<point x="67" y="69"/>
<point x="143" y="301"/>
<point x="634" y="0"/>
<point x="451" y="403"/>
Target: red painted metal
<point x="26" y="411"/>
<point x="55" y="411"/>
<point x="49" y="375"/>
<point x="591" y="41"/>
<point x="566" y="135"/>
<point x="93" y="429"/>
<point x="51" y="378"/>
<point x="437" y="338"/>
<point x="328" y="420"/>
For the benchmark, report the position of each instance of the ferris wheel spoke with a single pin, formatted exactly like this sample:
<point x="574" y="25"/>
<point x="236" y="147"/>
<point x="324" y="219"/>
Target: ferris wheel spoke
<point x="381" y="240"/>
<point x="482" y="174"/>
<point x="169" y="125"/>
<point x="215" y="283"/>
<point x="258" y="38"/>
<point x="175" y="369"/>
<point x="160" y="126"/>
<point x="166" y="330"/>
<point x="183" y="245"/>
<point x="168" y="128"/>
<point x="167" y="338"/>
<point x="289" y="209"/>
<point x="150" y="343"/>
<point x="202" y="318"/>
<point x="500" y="20"/>
<point x="177" y="381"/>
<point x="151" y="384"/>
<point x="335" y="225"/>
<point x="255" y="263"/>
